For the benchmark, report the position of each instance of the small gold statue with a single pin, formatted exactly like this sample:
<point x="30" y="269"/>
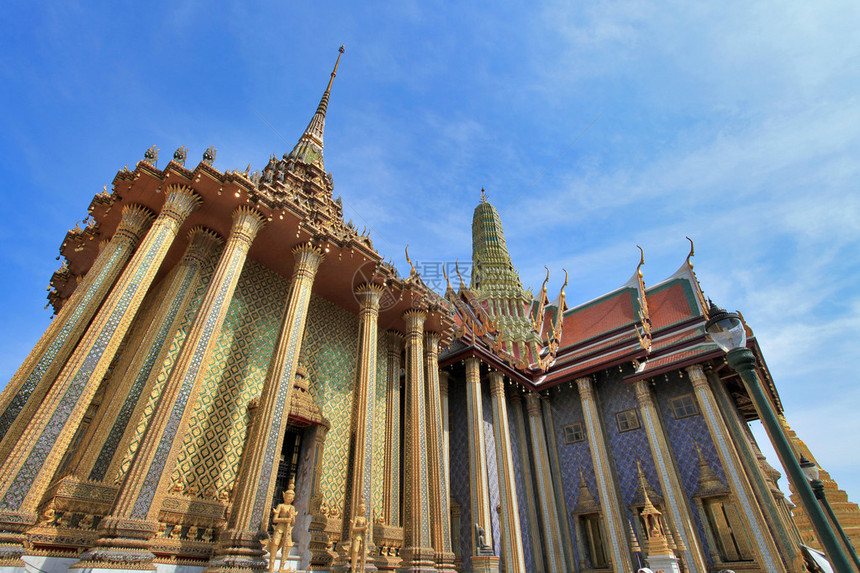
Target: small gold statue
<point x="357" y="548"/>
<point x="283" y="518"/>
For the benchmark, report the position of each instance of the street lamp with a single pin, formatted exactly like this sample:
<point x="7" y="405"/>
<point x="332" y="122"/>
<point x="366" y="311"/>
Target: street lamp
<point x="811" y="472"/>
<point x="729" y="333"/>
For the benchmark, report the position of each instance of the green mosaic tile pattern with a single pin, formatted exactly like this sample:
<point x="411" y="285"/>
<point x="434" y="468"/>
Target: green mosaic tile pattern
<point x="163" y="372"/>
<point x="209" y="459"/>
<point x="379" y="422"/>
<point x="329" y="353"/>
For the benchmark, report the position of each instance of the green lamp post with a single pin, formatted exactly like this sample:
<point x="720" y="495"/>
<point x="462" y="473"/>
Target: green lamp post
<point x="810" y="470"/>
<point x="727" y="331"/>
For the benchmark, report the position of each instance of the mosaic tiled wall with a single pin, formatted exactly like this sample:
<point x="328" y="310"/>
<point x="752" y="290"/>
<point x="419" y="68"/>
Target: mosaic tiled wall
<point x="683" y="434"/>
<point x="163" y="371"/>
<point x="329" y="353"/>
<point x="567" y="409"/>
<point x="459" y="458"/>
<point x="210" y="454"/>
<point x="492" y="472"/>
<point x="625" y="447"/>
<point x="379" y="422"/>
<point x="519" y="479"/>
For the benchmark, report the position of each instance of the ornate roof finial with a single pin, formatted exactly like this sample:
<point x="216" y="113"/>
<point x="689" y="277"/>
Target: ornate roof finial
<point x="334" y="71"/>
<point x="457" y="268"/>
<point x="412" y="272"/>
<point x="692" y="252"/>
<point x="309" y="149"/>
<point x="483" y="195"/>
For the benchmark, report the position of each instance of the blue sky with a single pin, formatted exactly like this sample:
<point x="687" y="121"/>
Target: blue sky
<point x="594" y="126"/>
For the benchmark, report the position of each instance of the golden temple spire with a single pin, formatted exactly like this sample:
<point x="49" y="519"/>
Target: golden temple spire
<point x="309" y="149"/>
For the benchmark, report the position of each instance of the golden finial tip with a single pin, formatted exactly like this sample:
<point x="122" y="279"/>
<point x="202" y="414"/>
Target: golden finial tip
<point x="341" y="49"/>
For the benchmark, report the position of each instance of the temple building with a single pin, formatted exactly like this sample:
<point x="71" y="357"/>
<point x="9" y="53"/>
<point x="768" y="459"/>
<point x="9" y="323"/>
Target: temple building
<point x="236" y="380"/>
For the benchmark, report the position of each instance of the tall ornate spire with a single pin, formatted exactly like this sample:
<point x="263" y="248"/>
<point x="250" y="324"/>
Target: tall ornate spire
<point x="492" y="271"/>
<point x="309" y="149"/>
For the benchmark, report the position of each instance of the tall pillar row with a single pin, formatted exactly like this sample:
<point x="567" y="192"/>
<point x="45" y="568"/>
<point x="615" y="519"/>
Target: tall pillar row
<point x="359" y="486"/>
<point x="619" y="547"/>
<point x="512" y="542"/>
<point x="555" y="466"/>
<point x="765" y="547"/>
<point x="238" y="547"/>
<point x="391" y="476"/>
<point x="546" y="493"/>
<point x="528" y="484"/>
<point x="133" y="520"/>
<point x="33" y="461"/>
<point x="134" y="378"/>
<point x="787" y="541"/>
<point x="677" y="507"/>
<point x="29" y="385"/>
<point x="417" y="554"/>
<point x="479" y="493"/>
<point x="437" y="470"/>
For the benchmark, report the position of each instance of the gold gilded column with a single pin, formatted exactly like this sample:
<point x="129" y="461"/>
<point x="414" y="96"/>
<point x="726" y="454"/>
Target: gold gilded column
<point x="33" y="461"/>
<point x="483" y="559"/>
<point x="437" y="471"/>
<point x="555" y="467"/>
<point x="28" y="387"/>
<point x="238" y="548"/>
<point x="133" y="375"/>
<point x="528" y="483"/>
<point x="543" y="476"/>
<point x="359" y="472"/>
<point x="616" y="527"/>
<point x="778" y="517"/>
<point x="391" y="480"/>
<point x="512" y="542"/>
<point x="766" y="551"/>
<point x="133" y="520"/>
<point x="677" y="507"/>
<point x="417" y="552"/>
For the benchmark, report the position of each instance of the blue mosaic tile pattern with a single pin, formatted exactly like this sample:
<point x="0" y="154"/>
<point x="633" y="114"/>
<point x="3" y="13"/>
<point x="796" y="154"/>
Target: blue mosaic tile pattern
<point x="682" y="436"/>
<point x="567" y="409"/>
<point x="459" y="458"/>
<point x="519" y="479"/>
<point x="492" y="470"/>
<point x="624" y="447"/>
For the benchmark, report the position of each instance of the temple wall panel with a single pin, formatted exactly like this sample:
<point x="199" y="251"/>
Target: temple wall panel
<point x="567" y="409"/>
<point x="492" y="471"/>
<point x="522" y="499"/>
<point x="125" y="435"/>
<point x="380" y="396"/>
<point x="625" y="447"/>
<point x="459" y="459"/>
<point x="682" y="435"/>
<point x="330" y="354"/>
<point x="209" y="460"/>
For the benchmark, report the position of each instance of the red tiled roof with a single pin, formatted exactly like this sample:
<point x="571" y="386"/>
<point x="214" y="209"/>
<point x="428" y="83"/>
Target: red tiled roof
<point x="669" y="305"/>
<point x="598" y="317"/>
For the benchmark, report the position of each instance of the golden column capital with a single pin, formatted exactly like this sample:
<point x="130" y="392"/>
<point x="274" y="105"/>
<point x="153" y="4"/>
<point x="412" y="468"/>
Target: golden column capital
<point x="201" y="243"/>
<point x="368" y="296"/>
<point x="431" y="342"/>
<point x="444" y="379"/>
<point x="533" y="406"/>
<point x="497" y="384"/>
<point x="697" y="375"/>
<point x="134" y="223"/>
<point x="247" y="222"/>
<point x="180" y="202"/>
<point x="395" y="342"/>
<point x="585" y="386"/>
<point x="414" y="320"/>
<point x="643" y="394"/>
<point x="308" y="258"/>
